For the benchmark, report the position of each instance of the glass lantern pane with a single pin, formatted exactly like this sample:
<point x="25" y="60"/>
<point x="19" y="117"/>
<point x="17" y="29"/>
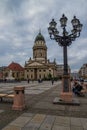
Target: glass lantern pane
<point x="53" y="24"/>
<point x="75" y="21"/>
<point x="79" y="27"/>
<point x="63" y="20"/>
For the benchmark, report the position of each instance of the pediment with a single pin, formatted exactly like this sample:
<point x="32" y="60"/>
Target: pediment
<point x="35" y="64"/>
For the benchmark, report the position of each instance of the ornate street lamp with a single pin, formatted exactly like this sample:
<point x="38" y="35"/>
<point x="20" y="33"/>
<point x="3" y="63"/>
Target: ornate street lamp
<point x="65" y="40"/>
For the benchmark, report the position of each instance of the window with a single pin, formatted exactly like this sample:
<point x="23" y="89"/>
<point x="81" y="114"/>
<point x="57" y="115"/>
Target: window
<point x="17" y="74"/>
<point x="31" y="76"/>
<point x="41" y="54"/>
<point x="13" y="74"/>
<point x="6" y="74"/>
<point x="40" y="76"/>
<point x="44" y="75"/>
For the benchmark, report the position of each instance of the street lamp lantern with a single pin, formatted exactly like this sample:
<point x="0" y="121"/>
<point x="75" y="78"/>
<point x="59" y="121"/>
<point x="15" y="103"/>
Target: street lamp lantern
<point x="53" y="24"/>
<point x="75" y="21"/>
<point x="63" y="20"/>
<point x="65" y="40"/>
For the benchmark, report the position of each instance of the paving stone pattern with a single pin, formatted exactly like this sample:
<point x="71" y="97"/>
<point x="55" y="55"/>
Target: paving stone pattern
<point x="30" y="121"/>
<point x="40" y="112"/>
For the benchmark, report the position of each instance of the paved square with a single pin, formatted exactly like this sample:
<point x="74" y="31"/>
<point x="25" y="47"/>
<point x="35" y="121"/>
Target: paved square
<point x="40" y="112"/>
<point x="29" y="121"/>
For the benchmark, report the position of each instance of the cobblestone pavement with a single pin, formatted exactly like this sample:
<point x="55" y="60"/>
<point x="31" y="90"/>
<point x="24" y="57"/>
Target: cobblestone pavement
<point x="31" y="121"/>
<point x="40" y="112"/>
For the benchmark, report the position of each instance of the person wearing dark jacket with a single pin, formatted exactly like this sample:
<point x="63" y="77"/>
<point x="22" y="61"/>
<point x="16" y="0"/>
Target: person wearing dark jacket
<point x="77" y="89"/>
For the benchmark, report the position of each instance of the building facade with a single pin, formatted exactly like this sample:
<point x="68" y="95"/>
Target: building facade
<point x="39" y="67"/>
<point x="60" y="70"/>
<point x="14" y="70"/>
<point x="83" y="71"/>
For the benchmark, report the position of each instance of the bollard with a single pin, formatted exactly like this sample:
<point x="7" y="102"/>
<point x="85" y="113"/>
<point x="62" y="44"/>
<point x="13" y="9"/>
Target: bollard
<point x="19" y="98"/>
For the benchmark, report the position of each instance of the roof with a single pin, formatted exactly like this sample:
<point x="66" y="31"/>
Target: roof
<point x="15" y="67"/>
<point x="39" y="42"/>
<point x="39" y="37"/>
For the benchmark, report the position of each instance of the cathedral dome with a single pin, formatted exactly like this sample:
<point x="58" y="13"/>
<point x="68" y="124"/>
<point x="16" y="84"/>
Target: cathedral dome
<point x="39" y="37"/>
<point x="39" y="41"/>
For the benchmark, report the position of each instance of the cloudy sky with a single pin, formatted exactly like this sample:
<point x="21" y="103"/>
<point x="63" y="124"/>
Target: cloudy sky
<point x="20" y="21"/>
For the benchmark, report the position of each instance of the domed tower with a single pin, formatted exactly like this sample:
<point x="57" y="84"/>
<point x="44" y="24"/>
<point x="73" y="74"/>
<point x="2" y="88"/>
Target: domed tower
<point x="40" y="48"/>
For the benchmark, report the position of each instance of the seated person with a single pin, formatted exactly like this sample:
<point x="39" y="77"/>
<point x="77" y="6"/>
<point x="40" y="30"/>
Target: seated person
<point x="77" y="89"/>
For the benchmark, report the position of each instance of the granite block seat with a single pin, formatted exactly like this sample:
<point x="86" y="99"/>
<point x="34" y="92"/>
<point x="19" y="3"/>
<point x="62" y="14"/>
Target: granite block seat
<point x="6" y="97"/>
<point x="2" y="95"/>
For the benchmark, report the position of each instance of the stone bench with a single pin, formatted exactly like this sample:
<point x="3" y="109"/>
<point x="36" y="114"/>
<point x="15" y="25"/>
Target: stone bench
<point x="6" y="97"/>
<point x="2" y="95"/>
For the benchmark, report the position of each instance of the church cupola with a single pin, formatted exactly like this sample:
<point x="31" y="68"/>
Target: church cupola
<point x="39" y="37"/>
<point x="39" y="48"/>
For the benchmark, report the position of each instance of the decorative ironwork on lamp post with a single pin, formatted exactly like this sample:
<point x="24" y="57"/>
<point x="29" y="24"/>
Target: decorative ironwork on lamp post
<point x="65" y="40"/>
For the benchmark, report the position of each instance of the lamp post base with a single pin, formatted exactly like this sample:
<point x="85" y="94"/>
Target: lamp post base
<point x="59" y="101"/>
<point x="66" y="96"/>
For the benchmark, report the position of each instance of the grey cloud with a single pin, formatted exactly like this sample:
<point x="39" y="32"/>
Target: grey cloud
<point x="20" y="21"/>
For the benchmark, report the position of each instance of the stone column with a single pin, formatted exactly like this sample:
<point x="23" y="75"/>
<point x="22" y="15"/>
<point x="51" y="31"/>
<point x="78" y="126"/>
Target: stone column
<point x="19" y="98"/>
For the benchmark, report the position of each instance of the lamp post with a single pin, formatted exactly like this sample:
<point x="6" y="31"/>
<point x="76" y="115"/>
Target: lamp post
<point x="65" y="40"/>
